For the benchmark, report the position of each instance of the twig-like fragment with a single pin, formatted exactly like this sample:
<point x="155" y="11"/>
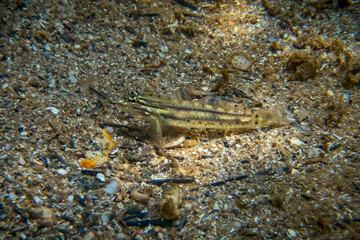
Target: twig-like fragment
<point x="239" y="178"/>
<point x="159" y="182"/>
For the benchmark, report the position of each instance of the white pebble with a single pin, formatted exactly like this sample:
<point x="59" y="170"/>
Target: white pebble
<point x="292" y="233"/>
<point x="12" y="196"/>
<point x="37" y="200"/>
<point x="110" y="130"/>
<point x="8" y="147"/>
<point x="241" y="62"/>
<point x="53" y="110"/>
<point x="47" y="47"/>
<point x="164" y="48"/>
<point x="100" y="177"/>
<point x="21" y="161"/>
<point x="70" y="198"/>
<point x="295" y="172"/>
<point x="112" y="188"/>
<point x="105" y="219"/>
<point x="295" y="141"/>
<point x="62" y="171"/>
<point x="72" y="79"/>
<point x="52" y="82"/>
<point x="24" y="133"/>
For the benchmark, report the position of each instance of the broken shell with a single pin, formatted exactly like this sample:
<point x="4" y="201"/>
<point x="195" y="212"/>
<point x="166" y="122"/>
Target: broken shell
<point x="241" y="61"/>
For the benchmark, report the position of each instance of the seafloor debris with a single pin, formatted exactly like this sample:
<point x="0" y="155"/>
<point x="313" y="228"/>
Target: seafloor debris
<point x="299" y="181"/>
<point x="94" y="159"/>
<point x="303" y="65"/>
<point x="240" y="61"/>
<point x="170" y="203"/>
<point x="350" y="72"/>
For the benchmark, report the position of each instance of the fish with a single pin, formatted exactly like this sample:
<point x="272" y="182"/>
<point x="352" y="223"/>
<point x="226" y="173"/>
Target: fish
<point x="162" y="111"/>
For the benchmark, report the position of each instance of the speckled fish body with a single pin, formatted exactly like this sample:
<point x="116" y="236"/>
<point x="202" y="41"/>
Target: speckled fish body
<point x="162" y="110"/>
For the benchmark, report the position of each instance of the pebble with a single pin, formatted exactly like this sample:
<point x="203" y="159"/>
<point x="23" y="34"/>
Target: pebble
<point x="139" y="197"/>
<point x="110" y="130"/>
<point x="21" y="161"/>
<point x="240" y="62"/>
<point x="330" y="93"/>
<point x="12" y="196"/>
<point x="53" y="110"/>
<point x="8" y="147"/>
<point x="72" y="79"/>
<point x="47" y="47"/>
<point x="295" y="172"/>
<point x="164" y="48"/>
<point x="112" y="187"/>
<point x="292" y="233"/>
<point x="104" y="219"/>
<point x="62" y="171"/>
<point x="70" y="198"/>
<point x="100" y="177"/>
<point x="295" y="141"/>
<point x="37" y="200"/>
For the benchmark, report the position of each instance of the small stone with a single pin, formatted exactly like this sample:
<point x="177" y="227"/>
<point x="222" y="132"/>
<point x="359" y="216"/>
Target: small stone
<point x="241" y="62"/>
<point x="12" y="196"/>
<point x="110" y="130"/>
<point x="21" y="161"/>
<point x="139" y="197"/>
<point x="112" y="187"/>
<point x="164" y="48"/>
<point x="62" y="171"/>
<point x="100" y="177"/>
<point x="47" y="47"/>
<point x="8" y="147"/>
<point x="72" y="79"/>
<point x="330" y="93"/>
<point x="292" y="233"/>
<point x="22" y="236"/>
<point x="70" y="198"/>
<point x="295" y="172"/>
<point x="105" y="219"/>
<point x="53" y="110"/>
<point x="295" y="141"/>
<point x="37" y="200"/>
